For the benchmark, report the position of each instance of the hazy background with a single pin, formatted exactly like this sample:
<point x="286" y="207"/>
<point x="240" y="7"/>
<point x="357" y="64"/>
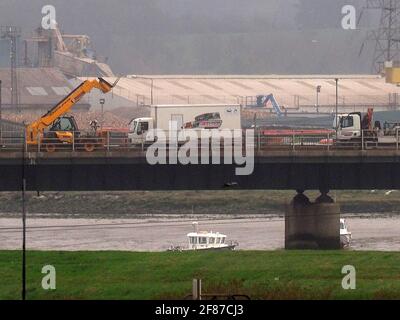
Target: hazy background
<point x="210" y="36"/>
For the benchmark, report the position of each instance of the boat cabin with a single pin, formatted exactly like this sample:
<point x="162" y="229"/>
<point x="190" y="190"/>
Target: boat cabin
<point x="206" y="240"/>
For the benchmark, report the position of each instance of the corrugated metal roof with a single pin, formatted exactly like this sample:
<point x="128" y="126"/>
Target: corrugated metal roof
<point x="38" y="87"/>
<point x="37" y="91"/>
<point x="288" y="90"/>
<point x="61" y="91"/>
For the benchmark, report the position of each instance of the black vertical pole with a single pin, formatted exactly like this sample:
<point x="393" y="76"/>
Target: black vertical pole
<point x="1" y="119"/>
<point x="23" y="221"/>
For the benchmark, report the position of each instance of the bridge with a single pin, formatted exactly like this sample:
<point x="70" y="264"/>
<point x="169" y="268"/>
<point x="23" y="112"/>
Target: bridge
<point x="129" y="170"/>
<point x="290" y="162"/>
<point x="283" y="159"/>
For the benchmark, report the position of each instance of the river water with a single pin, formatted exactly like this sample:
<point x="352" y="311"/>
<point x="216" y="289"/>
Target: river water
<point x="159" y="233"/>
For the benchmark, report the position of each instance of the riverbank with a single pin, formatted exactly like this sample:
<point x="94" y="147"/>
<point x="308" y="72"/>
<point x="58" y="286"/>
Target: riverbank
<point x="259" y="274"/>
<point x="136" y="203"/>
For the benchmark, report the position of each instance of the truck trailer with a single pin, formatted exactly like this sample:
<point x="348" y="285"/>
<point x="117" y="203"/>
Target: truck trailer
<point x="186" y="116"/>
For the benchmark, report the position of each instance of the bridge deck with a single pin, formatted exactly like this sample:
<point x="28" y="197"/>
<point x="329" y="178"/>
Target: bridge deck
<point x="274" y="155"/>
<point x="278" y="169"/>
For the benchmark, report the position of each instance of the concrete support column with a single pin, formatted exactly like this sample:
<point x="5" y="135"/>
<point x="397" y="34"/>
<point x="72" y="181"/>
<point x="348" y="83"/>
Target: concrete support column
<point x="312" y="225"/>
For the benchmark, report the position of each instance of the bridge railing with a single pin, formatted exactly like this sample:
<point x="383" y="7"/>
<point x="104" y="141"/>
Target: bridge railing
<point x="294" y="142"/>
<point x="12" y="140"/>
<point x="82" y="141"/>
<point x="108" y="141"/>
<point x="385" y="139"/>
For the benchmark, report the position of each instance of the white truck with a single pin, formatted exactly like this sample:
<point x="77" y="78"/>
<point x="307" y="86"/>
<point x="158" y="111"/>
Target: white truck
<point x="186" y="116"/>
<point x="354" y="128"/>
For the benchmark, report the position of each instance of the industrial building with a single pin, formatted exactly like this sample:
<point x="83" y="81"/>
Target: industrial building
<point x="298" y="94"/>
<point x="39" y="89"/>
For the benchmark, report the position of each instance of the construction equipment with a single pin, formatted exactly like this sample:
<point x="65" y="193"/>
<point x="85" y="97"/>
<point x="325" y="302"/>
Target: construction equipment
<point x="64" y="129"/>
<point x="262" y="102"/>
<point x="72" y="54"/>
<point x="355" y="128"/>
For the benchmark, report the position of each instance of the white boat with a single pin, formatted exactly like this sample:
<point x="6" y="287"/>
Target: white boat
<point x="345" y="234"/>
<point x="206" y="240"/>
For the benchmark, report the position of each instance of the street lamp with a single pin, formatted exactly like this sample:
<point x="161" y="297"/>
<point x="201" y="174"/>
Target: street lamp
<point x="318" y="92"/>
<point x="151" y="87"/>
<point x="336" y="112"/>
<point x="102" y="102"/>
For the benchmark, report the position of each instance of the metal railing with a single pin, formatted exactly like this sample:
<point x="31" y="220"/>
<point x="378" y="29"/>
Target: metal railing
<point x="82" y="141"/>
<point x="110" y="141"/>
<point x="294" y="141"/>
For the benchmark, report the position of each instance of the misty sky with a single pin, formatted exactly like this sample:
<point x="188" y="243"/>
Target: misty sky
<point x="211" y="36"/>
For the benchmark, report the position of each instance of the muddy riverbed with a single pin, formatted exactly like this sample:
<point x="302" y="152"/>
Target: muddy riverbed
<point x="159" y="233"/>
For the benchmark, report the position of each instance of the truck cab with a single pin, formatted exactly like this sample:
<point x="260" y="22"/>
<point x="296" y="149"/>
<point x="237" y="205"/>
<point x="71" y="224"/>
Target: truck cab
<point x="348" y="126"/>
<point x="138" y="129"/>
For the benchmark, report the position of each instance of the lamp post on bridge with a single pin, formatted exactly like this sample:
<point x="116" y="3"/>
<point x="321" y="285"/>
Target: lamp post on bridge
<point x="336" y="111"/>
<point x="151" y="85"/>
<point x="102" y="102"/>
<point x="318" y="92"/>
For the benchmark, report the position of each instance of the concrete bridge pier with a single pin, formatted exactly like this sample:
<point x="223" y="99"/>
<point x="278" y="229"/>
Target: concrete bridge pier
<point x="312" y="225"/>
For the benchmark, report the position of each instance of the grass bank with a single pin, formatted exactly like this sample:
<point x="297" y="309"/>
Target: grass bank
<point x="261" y="275"/>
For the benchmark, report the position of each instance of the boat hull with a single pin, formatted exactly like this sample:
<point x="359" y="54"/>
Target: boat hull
<point x="345" y="240"/>
<point x="226" y="248"/>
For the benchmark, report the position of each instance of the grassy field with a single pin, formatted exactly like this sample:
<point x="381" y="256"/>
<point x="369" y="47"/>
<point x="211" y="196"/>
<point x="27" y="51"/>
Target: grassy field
<point x="261" y="275"/>
<point x="101" y="204"/>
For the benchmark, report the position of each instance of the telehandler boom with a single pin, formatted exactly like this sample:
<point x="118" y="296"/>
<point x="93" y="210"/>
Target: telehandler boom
<point x="63" y="127"/>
